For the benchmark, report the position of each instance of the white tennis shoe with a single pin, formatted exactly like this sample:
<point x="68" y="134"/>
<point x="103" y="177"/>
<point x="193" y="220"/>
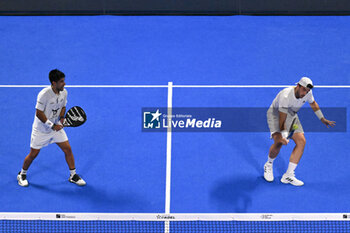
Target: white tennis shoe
<point x="291" y="179"/>
<point x="268" y="172"/>
<point x="76" y="179"/>
<point x="22" y="180"/>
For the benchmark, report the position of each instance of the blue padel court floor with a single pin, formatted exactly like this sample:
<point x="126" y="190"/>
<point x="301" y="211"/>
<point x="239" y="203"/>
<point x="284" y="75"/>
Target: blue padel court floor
<point x="125" y="168"/>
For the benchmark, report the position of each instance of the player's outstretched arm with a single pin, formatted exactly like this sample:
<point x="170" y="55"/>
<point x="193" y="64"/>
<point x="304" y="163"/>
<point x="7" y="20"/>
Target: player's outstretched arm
<point x="328" y="122"/>
<point x="320" y="116"/>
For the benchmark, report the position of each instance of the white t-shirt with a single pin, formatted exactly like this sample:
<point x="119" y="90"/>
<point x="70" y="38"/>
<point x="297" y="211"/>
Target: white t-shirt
<point x="51" y="104"/>
<point x="286" y="101"/>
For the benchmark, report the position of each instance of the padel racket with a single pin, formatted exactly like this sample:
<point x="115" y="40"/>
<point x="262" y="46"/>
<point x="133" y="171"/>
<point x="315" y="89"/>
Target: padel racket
<point x="74" y="117"/>
<point x="292" y="129"/>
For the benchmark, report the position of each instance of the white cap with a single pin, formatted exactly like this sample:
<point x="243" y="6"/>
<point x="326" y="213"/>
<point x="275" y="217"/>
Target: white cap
<point x="305" y="82"/>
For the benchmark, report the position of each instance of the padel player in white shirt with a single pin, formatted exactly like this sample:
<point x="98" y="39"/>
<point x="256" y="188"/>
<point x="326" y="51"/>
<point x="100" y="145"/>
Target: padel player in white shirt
<point x="280" y="115"/>
<point x="48" y="128"/>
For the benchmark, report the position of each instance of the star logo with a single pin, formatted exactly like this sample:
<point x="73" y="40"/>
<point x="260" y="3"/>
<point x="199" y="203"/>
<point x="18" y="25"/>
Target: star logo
<point x="156" y="115"/>
<point x="151" y="119"/>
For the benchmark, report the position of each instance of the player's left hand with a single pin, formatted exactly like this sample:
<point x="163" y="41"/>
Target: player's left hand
<point x="57" y="127"/>
<point x="62" y="120"/>
<point x="327" y="122"/>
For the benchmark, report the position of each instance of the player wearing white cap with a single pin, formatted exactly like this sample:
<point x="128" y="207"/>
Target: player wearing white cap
<point x="280" y="115"/>
<point x="47" y="127"/>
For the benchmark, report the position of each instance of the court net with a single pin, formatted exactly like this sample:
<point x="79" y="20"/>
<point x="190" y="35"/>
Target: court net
<point x="168" y="223"/>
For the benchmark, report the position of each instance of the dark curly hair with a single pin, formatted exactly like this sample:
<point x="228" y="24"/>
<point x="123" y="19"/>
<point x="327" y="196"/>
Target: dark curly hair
<point x="55" y="75"/>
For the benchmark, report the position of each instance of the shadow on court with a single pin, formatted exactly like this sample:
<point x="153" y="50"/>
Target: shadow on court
<point x="93" y="198"/>
<point x="236" y="192"/>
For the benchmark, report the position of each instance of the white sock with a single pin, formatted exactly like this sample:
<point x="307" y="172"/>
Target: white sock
<point x="23" y="172"/>
<point x="291" y="168"/>
<point x="72" y="172"/>
<point x="270" y="160"/>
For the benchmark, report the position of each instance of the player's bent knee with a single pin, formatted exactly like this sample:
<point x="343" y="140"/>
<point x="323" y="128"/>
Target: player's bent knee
<point x="32" y="156"/>
<point x="278" y="145"/>
<point x="67" y="150"/>
<point x="301" y="141"/>
<point x="33" y="153"/>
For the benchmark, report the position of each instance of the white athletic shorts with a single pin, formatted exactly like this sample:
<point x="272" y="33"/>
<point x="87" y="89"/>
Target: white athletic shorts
<point x="39" y="139"/>
<point x="273" y="122"/>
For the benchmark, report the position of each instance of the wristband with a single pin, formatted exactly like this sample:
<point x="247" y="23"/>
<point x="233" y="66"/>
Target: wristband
<point x="319" y="114"/>
<point x="49" y="124"/>
<point x="284" y="134"/>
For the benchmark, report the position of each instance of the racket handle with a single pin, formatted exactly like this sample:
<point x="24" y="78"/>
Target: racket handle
<point x="290" y="134"/>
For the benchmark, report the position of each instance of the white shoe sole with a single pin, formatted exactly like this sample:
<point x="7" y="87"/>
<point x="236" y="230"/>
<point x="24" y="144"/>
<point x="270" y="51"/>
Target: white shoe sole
<point x="288" y="182"/>
<point x="83" y="184"/>
<point x="266" y="178"/>
<point x="19" y="183"/>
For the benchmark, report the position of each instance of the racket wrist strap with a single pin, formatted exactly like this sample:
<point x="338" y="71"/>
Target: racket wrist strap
<point x="49" y="124"/>
<point x="319" y="114"/>
<point x="284" y="133"/>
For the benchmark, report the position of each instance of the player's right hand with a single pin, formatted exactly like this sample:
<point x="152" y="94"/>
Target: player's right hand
<point x="284" y="141"/>
<point x="57" y="127"/>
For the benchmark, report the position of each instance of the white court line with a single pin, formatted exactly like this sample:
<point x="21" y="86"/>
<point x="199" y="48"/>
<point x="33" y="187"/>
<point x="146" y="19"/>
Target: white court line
<point x="174" y="86"/>
<point x="256" y="86"/>
<point x="90" y="86"/>
<point x="168" y="157"/>
<point x="168" y="149"/>
<point x="25" y="86"/>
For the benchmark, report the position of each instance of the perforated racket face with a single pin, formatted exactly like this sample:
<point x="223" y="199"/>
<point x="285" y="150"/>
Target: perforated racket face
<point x="75" y="117"/>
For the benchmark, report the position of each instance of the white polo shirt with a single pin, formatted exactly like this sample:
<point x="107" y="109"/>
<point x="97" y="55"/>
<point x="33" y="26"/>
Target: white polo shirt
<point x="51" y="104"/>
<point x="286" y="101"/>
